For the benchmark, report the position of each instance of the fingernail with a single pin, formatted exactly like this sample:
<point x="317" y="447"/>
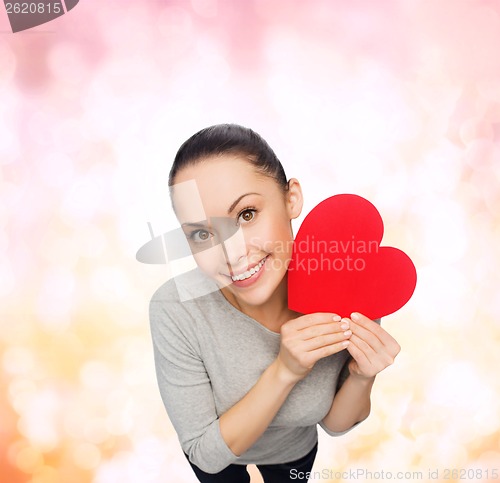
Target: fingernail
<point x="336" y="318"/>
<point x="347" y="333"/>
<point x="355" y="316"/>
<point x="345" y="343"/>
<point x="344" y="325"/>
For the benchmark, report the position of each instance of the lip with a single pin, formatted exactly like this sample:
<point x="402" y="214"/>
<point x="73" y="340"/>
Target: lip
<point x="235" y="274"/>
<point x="251" y="280"/>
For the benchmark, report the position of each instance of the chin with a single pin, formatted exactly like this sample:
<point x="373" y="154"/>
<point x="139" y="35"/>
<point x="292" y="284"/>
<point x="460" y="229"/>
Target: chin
<point x="259" y="294"/>
<point x="257" y="298"/>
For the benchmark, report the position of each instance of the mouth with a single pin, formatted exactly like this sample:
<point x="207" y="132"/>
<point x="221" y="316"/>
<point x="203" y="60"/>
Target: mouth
<point x="250" y="272"/>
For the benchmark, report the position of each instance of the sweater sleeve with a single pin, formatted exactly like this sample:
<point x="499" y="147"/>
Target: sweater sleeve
<point x="344" y="373"/>
<point x="187" y="393"/>
<point x="338" y="433"/>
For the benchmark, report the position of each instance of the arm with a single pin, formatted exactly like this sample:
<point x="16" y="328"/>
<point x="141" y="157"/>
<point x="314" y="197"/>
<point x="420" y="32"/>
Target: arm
<point x="350" y="406"/>
<point x="213" y="442"/>
<point x="304" y="341"/>
<point x="245" y="422"/>
<point x="372" y="350"/>
<point x="186" y="392"/>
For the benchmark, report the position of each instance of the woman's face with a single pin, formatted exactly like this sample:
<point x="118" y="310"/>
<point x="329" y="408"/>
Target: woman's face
<point x="237" y="222"/>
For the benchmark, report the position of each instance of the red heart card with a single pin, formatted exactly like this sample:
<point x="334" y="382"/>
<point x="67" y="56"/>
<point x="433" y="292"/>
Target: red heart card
<point x="339" y="266"/>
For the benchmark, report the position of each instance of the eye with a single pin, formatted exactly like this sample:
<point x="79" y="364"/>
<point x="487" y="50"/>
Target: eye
<point x="200" y="236"/>
<point x="248" y="214"/>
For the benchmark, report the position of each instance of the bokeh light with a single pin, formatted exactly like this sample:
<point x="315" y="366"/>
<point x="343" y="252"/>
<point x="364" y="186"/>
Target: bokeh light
<point x="398" y="102"/>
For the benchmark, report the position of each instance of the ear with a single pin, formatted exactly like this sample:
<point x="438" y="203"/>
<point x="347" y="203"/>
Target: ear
<point x="294" y="199"/>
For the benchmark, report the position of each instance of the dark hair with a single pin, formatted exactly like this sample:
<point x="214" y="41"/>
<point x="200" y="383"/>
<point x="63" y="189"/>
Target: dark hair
<point x="229" y="139"/>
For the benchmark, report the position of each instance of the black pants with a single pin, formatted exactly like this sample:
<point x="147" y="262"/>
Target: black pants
<point x="281" y="473"/>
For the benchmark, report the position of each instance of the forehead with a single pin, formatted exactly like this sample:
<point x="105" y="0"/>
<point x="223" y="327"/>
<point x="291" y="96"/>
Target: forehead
<point x="208" y="188"/>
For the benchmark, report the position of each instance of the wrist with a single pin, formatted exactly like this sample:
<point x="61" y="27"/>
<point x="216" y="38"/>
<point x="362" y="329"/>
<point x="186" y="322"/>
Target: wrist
<point x="282" y="375"/>
<point x="361" y="379"/>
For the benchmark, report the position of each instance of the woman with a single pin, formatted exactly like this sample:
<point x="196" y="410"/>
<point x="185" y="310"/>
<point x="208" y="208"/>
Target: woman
<point x="243" y="378"/>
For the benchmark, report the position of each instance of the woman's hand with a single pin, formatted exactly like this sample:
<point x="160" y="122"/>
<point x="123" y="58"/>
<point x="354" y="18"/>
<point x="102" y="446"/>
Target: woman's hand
<point x="307" y="339"/>
<point x="372" y="348"/>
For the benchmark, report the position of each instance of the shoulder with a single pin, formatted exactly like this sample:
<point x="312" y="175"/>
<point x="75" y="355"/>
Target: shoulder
<point x="185" y="287"/>
<point x="167" y="292"/>
<point x="182" y="311"/>
<point x="171" y="322"/>
<point x="182" y="301"/>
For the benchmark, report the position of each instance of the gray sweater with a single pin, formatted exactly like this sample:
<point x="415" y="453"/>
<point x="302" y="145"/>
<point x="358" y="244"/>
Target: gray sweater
<point x="208" y="355"/>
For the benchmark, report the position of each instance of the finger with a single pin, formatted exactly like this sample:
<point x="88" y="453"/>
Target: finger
<point x="385" y="338"/>
<point x="372" y="326"/>
<point x="322" y="329"/>
<point x="368" y="337"/>
<point x="309" y="320"/>
<point x="358" y="355"/>
<point x="364" y="347"/>
<point x="378" y="359"/>
<point x="324" y="340"/>
<point x="367" y="360"/>
<point x="328" y="350"/>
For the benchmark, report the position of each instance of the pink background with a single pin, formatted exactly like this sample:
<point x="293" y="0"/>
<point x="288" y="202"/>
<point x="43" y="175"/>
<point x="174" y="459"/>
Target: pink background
<point x="397" y="101"/>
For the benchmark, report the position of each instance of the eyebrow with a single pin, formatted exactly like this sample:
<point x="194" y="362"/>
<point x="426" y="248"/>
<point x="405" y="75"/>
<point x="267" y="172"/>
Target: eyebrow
<point x="229" y="211"/>
<point x="194" y="225"/>
<point x="235" y="202"/>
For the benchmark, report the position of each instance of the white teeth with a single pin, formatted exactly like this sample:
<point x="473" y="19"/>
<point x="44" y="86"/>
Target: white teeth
<point x="249" y="273"/>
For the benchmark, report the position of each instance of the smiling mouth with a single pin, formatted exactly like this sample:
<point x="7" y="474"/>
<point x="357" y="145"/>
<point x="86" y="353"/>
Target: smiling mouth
<point x="249" y="273"/>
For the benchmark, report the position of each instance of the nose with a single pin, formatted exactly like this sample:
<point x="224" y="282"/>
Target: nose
<point x="235" y="249"/>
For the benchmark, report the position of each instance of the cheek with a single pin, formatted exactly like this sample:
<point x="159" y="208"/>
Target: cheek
<point x="273" y="237"/>
<point x="209" y="260"/>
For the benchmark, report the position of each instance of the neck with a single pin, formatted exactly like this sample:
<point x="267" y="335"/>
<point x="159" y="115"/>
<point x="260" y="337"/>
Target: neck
<point x="271" y="314"/>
